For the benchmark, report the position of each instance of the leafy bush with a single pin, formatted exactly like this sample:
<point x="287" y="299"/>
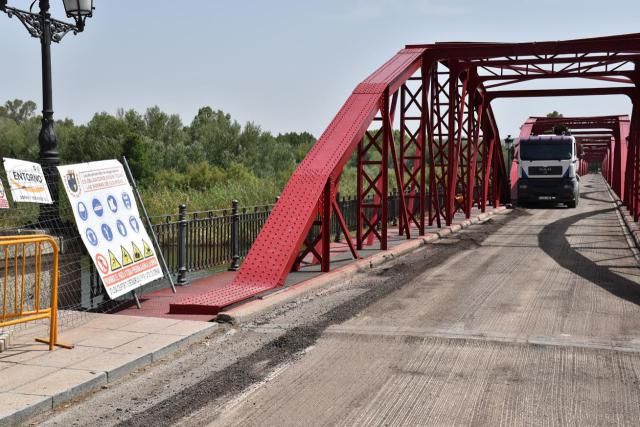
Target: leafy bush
<point x="205" y="164"/>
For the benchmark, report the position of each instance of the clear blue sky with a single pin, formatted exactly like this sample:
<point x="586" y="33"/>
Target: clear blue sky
<point x="284" y="64"/>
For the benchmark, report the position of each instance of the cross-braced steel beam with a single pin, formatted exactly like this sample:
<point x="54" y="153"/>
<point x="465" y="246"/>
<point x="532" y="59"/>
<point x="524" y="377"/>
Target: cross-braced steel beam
<point x="448" y="157"/>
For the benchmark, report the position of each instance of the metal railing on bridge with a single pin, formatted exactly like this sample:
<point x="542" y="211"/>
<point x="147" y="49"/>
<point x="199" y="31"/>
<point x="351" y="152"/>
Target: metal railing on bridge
<point x="204" y="240"/>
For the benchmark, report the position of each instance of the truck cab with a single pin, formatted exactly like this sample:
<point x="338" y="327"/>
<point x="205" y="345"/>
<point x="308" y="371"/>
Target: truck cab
<point x="547" y="170"/>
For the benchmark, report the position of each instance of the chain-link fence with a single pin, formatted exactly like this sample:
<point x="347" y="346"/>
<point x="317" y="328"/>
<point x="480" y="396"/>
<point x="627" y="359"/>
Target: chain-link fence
<point x="80" y="288"/>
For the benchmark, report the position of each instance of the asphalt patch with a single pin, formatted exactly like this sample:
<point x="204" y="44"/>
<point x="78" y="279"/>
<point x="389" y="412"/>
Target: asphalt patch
<point x="257" y="366"/>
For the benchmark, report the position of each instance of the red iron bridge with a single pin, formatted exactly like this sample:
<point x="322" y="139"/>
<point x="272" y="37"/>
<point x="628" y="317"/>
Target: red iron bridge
<point x="448" y="158"/>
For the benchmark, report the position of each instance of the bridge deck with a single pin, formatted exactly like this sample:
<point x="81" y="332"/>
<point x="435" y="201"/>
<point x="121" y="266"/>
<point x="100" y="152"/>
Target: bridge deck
<point x="534" y="319"/>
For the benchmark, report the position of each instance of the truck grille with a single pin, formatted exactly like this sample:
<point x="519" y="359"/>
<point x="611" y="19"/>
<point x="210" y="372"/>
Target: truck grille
<point x="545" y="170"/>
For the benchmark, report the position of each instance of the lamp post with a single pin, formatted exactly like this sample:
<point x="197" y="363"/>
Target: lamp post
<point x="40" y="25"/>
<point x="508" y="141"/>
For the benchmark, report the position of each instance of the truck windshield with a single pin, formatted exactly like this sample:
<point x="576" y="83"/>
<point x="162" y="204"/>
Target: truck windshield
<point x="545" y="151"/>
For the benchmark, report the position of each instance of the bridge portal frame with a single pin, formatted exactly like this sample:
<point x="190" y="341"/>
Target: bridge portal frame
<point x="449" y="160"/>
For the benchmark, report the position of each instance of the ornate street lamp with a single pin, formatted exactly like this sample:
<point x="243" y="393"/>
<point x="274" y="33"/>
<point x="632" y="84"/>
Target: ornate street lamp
<point x="42" y="26"/>
<point x="79" y="10"/>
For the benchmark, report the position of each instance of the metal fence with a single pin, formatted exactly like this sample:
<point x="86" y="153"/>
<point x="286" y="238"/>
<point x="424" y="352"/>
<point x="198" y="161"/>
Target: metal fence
<point x="190" y="241"/>
<point x="206" y="238"/>
<point x="195" y="241"/>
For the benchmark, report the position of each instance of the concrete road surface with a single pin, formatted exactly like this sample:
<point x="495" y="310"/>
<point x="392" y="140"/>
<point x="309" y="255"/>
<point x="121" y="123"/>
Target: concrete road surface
<point x="531" y="319"/>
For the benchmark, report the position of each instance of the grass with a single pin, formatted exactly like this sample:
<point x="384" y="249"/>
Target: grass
<point x="161" y="201"/>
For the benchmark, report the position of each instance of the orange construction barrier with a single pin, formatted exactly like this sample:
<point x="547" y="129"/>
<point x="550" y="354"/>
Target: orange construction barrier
<point x="21" y="287"/>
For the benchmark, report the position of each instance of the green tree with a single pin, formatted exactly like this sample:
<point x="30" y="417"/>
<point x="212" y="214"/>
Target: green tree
<point x="103" y="138"/>
<point x="71" y="141"/>
<point x="18" y="110"/>
<point x="558" y="129"/>
<point x="134" y="121"/>
<point x="136" y="150"/>
<point x="217" y="134"/>
<point x="12" y="139"/>
<point x="301" y="143"/>
<point x="204" y="164"/>
<point x="170" y="145"/>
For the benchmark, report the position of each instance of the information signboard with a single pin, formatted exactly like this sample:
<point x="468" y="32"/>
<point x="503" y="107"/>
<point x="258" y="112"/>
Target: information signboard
<point x="107" y="217"/>
<point x="4" y="202"/>
<point x="26" y="181"/>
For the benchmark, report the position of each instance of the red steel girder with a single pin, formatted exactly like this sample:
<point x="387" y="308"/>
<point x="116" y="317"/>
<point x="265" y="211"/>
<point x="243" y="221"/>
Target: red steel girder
<point x="413" y="113"/>
<point x="611" y="58"/>
<point x="534" y="93"/>
<point x="439" y="134"/>
<point x="491" y="156"/>
<point x="371" y="188"/>
<point x="508" y="80"/>
<point x="460" y="135"/>
<point x="621" y="44"/>
<point x="632" y="173"/>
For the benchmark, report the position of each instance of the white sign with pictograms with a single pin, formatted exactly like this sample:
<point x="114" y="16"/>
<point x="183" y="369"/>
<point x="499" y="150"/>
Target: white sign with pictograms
<point x="27" y="182"/>
<point x="4" y="202"/>
<point x="107" y="217"/>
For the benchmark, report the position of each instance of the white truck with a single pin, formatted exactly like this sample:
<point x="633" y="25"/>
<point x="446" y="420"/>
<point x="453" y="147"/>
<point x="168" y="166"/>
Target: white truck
<point x="547" y="170"/>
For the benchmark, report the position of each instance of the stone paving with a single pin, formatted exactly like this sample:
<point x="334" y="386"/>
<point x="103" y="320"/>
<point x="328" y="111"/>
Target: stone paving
<point x="109" y="346"/>
<point x="33" y="379"/>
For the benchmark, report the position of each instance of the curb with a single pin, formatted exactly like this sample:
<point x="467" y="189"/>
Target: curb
<point x="250" y="310"/>
<point x="79" y="389"/>
<point x="631" y="227"/>
<point x="18" y="417"/>
<point x="101" y="379"/>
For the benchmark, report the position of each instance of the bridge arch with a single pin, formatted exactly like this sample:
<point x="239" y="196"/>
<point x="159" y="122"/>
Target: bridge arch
<point x="448" y="157"/>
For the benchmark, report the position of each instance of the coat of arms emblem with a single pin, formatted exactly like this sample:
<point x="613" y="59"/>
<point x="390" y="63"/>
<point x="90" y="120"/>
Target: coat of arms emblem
<point x="72" y="183"/>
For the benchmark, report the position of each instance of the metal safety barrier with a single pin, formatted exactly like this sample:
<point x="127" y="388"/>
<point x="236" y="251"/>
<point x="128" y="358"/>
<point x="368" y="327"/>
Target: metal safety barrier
<point x="197" y="241"/>
<point x="29" y="283"/>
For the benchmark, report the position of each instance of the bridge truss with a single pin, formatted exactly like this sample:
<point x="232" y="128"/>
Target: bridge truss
<point x="448" y="157"/>
<point x="604" y="140"/>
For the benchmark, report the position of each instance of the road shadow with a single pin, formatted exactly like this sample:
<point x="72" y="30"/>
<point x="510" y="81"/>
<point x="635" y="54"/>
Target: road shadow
<point x="554" y="242"/>
<point x="595" y="199"/>
<point x="543" y="206"/>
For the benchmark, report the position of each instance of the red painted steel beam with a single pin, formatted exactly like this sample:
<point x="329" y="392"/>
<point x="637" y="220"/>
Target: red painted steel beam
<point x="534" y="93"/>
<point x="618" y="158"/>
<point x="412" y="161"/>
<point x="439" y="135"/>
<point x="633" y="163"/>
<point x="492" y="148"/>
<point x="629" y="43"/>
<point x="513" y="79"/>
<point x="581" y="133"/>
<point x="457" y="95"/>
<point x="547" y="125"/>
<point x="539" y="61"/>
<point x="607" y="121"/>
<point x="274" y="251"/>
<point x="451" y="124"/>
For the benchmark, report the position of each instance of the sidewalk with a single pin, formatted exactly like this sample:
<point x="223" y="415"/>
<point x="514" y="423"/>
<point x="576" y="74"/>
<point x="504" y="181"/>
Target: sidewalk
<point x="109" y="346"/>
<point x="33" y="379"/>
